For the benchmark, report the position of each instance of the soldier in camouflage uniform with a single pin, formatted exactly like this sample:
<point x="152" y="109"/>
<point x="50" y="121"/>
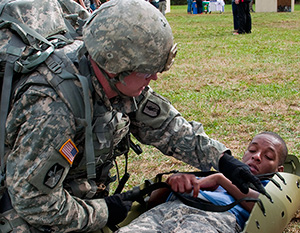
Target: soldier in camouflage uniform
<point x="127" y="43"/>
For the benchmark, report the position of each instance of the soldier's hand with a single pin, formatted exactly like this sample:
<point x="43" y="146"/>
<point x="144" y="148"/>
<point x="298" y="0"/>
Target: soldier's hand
<point x="117" y="208"/>
<point x="239" y="174"/>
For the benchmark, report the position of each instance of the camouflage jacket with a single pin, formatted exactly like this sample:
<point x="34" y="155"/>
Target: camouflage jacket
<point x="46" y="150"/>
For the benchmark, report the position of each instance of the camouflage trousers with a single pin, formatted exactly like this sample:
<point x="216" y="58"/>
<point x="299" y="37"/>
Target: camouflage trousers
<point x="177" y="217"/>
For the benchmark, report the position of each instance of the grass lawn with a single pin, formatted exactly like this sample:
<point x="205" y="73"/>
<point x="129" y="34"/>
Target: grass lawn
<point x="236" y="86"/>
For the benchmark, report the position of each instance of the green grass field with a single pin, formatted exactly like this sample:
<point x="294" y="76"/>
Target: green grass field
<point x="236" y="86"/>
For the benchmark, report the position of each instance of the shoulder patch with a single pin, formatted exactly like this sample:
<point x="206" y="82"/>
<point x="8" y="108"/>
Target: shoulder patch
<point x="69" y="151"/>
<point x="54" y="175"/>
<point x="151" y="109"/>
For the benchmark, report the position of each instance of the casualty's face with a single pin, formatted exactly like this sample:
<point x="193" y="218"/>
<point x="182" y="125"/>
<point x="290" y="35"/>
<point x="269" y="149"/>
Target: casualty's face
<point x="262" y="154"/>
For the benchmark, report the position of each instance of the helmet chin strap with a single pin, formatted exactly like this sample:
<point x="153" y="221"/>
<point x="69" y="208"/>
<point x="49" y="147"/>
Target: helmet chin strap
<point x="112" y="81"/>
<point x="119" y="78"/>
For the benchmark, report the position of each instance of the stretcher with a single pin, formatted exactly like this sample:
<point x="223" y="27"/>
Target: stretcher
<point x="285" y="193"/>
<point x="268" y="215"/>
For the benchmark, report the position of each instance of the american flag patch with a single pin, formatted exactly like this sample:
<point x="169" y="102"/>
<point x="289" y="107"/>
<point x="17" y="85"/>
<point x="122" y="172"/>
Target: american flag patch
<point x="69" y="151"/>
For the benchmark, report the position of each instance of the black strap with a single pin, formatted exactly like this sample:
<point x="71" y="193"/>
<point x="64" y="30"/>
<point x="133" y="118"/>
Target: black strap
<point x="5" y="202"/>
<point x="186" y="199"/>
<point x="208" y="206"/>
<point x="125" y="177"/>
<point x="195" y="202"/>
<point x="196" y="173"/>
<point x="5" y="98"/>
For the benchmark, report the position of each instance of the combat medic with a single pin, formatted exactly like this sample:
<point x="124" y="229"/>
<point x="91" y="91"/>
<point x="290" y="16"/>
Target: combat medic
<point x="56" y="180"/>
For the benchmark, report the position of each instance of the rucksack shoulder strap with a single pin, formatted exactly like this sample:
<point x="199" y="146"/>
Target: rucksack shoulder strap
<point x="63" y="83"/>
<point x="12" y="56"/>
<point x="16" y="46"/>
<point x="78" y="100"/>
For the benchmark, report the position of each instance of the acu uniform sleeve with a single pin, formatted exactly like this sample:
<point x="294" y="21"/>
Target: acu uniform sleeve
<point x="40" y="130"/>
<point x="159" y="124"/>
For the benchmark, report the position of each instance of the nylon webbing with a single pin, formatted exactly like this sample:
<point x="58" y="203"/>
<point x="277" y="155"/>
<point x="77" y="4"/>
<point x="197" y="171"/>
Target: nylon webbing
<point x="192" y="201"/>
<point x="5" y="98"/>
<point x="60" y="83"/>
<point x="208" y="206"/>
<point x="14" y="53"/>
<point x="22" y="31"/>
<point x="3" y="4"/>
<point x="71" y="29"/>
<point x="89" y="146"/>
<point x="63" y="82"/>
<point x="28" y="30"/>
<point x="15" y="28"/>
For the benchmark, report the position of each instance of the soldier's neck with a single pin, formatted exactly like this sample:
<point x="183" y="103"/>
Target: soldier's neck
<point x="107" y="89"/>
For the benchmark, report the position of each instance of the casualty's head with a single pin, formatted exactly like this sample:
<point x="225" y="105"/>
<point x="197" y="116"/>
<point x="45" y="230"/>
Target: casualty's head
<point x="126" y="36"/>
<point x="266" y="153"/>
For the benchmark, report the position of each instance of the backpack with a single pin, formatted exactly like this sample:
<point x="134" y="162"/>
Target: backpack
<point x="28" y="39"/>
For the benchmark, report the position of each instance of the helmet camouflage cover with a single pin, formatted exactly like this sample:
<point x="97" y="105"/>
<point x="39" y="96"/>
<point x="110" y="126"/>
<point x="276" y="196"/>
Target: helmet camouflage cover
<point x="129" y="35"/>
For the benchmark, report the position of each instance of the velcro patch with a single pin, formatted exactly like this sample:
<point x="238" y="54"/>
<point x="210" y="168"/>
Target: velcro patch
<point x="151" y="109"/>
<point x="69" y="151"/>
<point x="54" y="175"/>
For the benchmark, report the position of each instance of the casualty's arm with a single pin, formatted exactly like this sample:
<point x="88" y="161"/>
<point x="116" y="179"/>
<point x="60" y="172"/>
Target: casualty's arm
<point x="185" y="183"/>
<point x="179" y="182"/>
<point x="217" y="179"/>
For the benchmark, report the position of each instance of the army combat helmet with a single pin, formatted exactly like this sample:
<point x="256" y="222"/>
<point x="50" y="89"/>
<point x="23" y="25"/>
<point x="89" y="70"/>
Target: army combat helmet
<point x="123" y="36"/>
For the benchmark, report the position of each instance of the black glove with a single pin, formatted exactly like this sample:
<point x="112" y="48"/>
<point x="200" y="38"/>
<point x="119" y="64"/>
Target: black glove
<point x="118" y="208"/>
<point x="239" y="174"/>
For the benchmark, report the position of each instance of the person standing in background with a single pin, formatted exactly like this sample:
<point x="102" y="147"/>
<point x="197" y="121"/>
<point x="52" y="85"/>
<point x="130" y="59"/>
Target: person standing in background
<point x="163" y="6"/>
<point x="189" y="7"/>
<point x="194" y="7"/>
<point x="244" y="17"/>
<point x="199" y="6"/>
<point x="235" y="16"/>
<point x="251" y="6"/>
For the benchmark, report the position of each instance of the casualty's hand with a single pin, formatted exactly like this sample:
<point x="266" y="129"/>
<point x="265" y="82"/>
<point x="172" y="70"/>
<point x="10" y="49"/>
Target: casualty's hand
<point x="239" y="174"/>
<point x="118" y="207"/>
<point x="211" y="182"/>
<point x="184" y="183"/>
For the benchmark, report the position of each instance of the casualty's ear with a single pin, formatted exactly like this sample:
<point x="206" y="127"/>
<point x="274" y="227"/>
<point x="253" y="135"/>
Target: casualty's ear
<point x="280" y="168"/>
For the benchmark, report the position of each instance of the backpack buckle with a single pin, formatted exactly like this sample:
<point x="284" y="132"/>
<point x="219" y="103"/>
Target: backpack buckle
<point x="54" y="66"/>
<point x="18" y="67"/>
